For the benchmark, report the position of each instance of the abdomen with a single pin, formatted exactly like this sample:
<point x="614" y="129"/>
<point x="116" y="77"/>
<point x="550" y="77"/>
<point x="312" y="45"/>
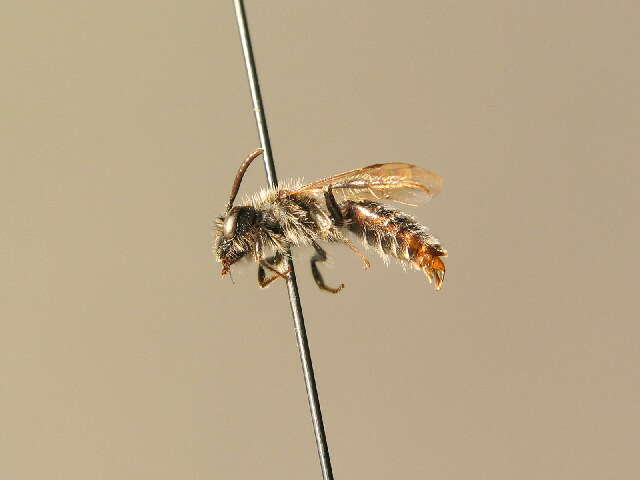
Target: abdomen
<point x="392" y="232"/>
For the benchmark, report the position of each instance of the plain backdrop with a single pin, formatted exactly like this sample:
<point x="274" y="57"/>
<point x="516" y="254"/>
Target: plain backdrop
<point x="124" y="355"/>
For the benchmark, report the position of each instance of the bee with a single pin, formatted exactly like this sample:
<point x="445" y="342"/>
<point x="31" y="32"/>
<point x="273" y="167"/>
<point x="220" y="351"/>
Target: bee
<point x="275" y="220"/>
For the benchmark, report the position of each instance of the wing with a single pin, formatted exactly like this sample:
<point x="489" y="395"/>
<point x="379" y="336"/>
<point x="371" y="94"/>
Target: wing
<point x="400" y="182"/>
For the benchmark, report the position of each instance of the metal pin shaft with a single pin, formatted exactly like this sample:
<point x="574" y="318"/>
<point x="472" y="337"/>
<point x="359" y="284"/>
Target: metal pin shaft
<point x="294" y="297"/>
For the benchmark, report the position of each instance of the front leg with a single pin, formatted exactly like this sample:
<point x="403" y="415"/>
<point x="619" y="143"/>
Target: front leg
<point x="272" y="264"/>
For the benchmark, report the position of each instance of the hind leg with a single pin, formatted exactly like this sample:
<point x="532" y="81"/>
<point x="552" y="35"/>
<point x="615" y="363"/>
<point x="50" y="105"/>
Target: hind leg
<point x="354" y="249"/>
<point x="338" y="220"/>
<point x="333" y="207"/>
<point x="321" y="256"/>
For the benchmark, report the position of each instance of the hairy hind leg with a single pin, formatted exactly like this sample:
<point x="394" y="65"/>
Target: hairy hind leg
<point x="354" y="249"/>
<point x="333" y="207"/>
<point x="321" y="256"/>
<point x="338" y="220"/>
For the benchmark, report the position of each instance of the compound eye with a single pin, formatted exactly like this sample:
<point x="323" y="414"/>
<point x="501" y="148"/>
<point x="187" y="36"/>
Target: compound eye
<point x="230" y="223"/>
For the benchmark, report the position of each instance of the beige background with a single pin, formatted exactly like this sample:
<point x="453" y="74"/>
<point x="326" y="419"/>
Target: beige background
<point x="123" y="355"/>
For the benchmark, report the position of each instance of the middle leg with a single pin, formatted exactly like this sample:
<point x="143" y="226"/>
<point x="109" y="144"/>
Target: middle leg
<point x="321" y="256"/>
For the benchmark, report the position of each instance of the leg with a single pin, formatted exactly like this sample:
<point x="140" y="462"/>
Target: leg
<point x="269" y="264"/>
<point x="321" y="256"/>
<point x="354" y="249"/>
<point x="265" y="281"/>
<point x="333" y="207"/>
<point x="338" y="219"/>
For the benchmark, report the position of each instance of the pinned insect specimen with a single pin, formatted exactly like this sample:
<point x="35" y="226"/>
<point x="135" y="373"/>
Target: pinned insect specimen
<point x="275" y="220"/>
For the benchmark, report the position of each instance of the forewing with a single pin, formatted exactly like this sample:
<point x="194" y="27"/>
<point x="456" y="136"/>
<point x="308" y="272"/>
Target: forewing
<point x="400" y="182"/>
